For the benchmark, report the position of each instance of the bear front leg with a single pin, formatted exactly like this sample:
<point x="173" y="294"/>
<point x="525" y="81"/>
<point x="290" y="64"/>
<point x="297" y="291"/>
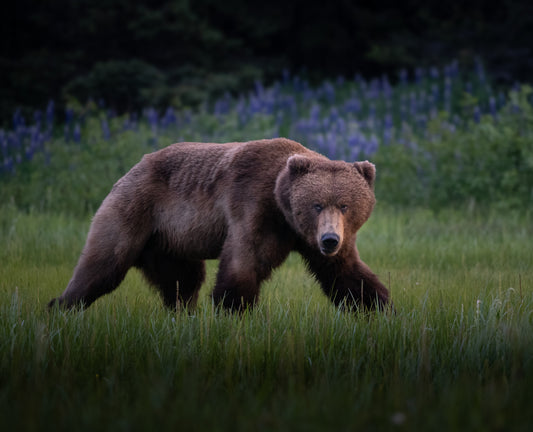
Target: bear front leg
<point x="349" y="282"/>
<point x="237" y="284"/>
<point x="247" y="259"/>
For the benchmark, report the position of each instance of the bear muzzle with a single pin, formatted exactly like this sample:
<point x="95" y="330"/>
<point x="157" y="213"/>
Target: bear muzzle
<point x="330" y="229"/>
<point x="329" y="243"/>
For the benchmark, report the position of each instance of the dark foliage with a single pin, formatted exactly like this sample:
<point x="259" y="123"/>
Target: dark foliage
<point x="182" y="51"/>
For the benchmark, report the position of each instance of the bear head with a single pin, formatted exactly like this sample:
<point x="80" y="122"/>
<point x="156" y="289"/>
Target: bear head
<point x="326" y="202"/>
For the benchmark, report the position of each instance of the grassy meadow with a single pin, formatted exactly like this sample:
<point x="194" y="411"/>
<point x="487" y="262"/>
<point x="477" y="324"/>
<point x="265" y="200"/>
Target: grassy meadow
<point x="457" y="354"/>
<point x="450" y="237"/>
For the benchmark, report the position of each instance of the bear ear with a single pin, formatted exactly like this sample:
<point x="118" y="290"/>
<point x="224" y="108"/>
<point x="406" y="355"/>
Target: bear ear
<point x="298" y="164"/>
<point x="367" y="170"/>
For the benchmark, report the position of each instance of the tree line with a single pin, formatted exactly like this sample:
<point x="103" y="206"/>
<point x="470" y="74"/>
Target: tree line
<point x="179" y="52"/>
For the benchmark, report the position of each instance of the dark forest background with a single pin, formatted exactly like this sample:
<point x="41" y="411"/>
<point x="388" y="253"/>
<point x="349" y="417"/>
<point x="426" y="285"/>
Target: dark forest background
<point x="157" y="52"/>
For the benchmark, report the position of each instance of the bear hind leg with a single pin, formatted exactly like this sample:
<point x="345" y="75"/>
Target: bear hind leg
<point x="90" y="281"/>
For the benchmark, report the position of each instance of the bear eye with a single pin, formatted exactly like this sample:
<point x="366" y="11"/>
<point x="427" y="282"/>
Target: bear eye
<point x="318" y="208"/>
<point x="344" y="208"/>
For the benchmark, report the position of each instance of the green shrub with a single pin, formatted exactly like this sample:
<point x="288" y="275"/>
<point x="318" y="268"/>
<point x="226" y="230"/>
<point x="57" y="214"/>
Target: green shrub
<point x="489" y="163"/>
<point x="129" y="84"/>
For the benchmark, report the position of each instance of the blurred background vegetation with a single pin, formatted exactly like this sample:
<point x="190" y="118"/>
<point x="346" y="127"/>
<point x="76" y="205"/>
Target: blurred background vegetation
<point x="435" y="94"/>
<point x="177" y="53"/>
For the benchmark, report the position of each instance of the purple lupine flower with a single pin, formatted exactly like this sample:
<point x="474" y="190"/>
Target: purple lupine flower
<point x="315" y="112"/>
<point x="242" y="112"/>
<point x="403" y="111"/>
<point x="169" y="118"/>
<point x="18" y="119"/>
<point x="435" y="92"/>
<point x="133" y="123"/>
<point x="222" y="107"/>
<point x="372" y="110"/>
<point x="8" y="165"/>
<point x="501" y="100"/>
<point x="388" y="122"/>
<point x="492" y="106"/>
<point x="153" y="119"/>
<point x="372" y="91"/>
<point x="279" y="118"/>
<point x="388" y="136"/>
<point x="38" y="117"/>
<point x="403" y="75"/>
<point x="259" y="89"/>
<point x="76" y="134"/>
<point x="329" y="92"/>
<point x="319" y="142"/>
<point x="28" y="152"/>
<point x="480" y="70"/>
<point x="421" y="120"/>
<point x="477" y="114"/>
<point x="3" y="142"/>
<point x="412" y="103"/>
<point x="50" y="114"/>
<point x="69" y="115"/>
<point x="454" y="68"/>
<point x="354" y="145"/>
<point x="297" y="84"/>
<point x="14" y="140"/>
<point x="331" y="140"/>
<point x="434" y="72"/>
<point x="334" y="114"/>
<point x="341" y="126"/>
<point x="285" y="76"/>
<point x="352" y="105"/>
<point x="106" y="133"/>
<point x="370" y="145"/>
<point x="447" y="96"/>
<point x="419" y="74"/>
<point x="386" y="87"/>
<point x="468" y="87"/>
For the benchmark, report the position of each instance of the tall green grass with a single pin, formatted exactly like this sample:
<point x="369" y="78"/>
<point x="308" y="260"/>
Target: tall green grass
<point x="456" y="355"/>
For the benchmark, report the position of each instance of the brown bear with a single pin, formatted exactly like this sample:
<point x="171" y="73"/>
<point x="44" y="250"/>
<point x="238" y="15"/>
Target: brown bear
<point x="248" y="204"/>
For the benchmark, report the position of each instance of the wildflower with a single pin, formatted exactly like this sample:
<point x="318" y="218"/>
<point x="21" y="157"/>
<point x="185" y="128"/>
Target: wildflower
<point x="76" y="135"/>
<point x="50" y="114"/>
<point x="403" y="75"/>
<point x="477" y="114"/>
<point x="106" y="133"/>
<point x="69" y="115"/>
<point x="492" y="106"/>
<point x="419" y="74"/>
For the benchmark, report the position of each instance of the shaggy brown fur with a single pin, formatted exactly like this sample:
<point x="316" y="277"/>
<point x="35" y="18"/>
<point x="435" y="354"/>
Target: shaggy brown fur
<point x="248" y="204"/>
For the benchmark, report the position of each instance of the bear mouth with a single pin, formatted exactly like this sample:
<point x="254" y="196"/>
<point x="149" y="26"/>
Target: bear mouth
<point x="328" y="252"/>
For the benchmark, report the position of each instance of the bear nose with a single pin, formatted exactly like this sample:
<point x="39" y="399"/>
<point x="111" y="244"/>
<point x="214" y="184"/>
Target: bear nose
<point x="329" y="242"/>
